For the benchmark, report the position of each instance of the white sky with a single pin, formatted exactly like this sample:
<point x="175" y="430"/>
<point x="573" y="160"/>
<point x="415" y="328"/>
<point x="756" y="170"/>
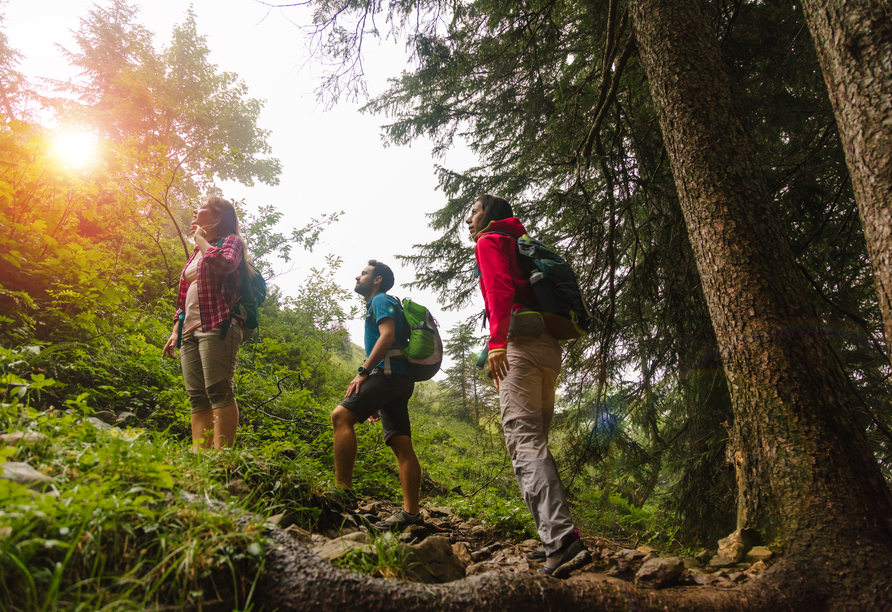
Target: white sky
<point x="331" y="160"/>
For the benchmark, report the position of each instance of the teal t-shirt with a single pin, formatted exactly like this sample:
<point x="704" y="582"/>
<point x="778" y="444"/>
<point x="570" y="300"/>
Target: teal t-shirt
<point x="383" y="306"/>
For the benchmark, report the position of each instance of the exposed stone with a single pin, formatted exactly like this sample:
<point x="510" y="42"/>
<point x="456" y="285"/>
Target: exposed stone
<point x="238" y="488"/>
<point x="531" y="543"/>
<point x="126" y="418"/>
<point x="691" y="562"/>
<point x="478" y="529"/>
<point x="318" y="539"/>
<point x="100" y="425"/>
<point x="301" y="535"/>
<point x="757" y="568"/>
<point x="736" y="577"/>
<point x="282" y="520"/>
<point x="462" y="553"/>
<point x="414" y="533"/>
<point x="16" y="437"/>
<point x="106" y="416"/>
<point x="339" y="547"/>
<point x="704" y="557"/>
<point x="23" y="474"/>
<point x="702" y="578"/>
<point x="759" y="553"/>
<point x="660" y="572"/>
<point x="432" y="561"/>
<point x="630" y="554"/>
<point x="439" y="512"/>
<point x="736" y="545"/>
<point x="473" y="521"/>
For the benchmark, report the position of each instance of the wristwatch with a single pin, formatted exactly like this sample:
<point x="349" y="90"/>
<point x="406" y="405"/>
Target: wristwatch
<point x="363" y="371"/>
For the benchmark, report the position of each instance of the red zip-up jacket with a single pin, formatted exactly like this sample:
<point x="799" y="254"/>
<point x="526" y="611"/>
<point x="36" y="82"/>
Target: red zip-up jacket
<point x="219" y="282"/>
<point x="505" y="286"/>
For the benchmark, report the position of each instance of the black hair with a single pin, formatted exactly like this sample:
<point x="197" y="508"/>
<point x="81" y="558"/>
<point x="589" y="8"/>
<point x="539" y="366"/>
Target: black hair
<point x="384" y="271"/>
<point x="494" y="208"/>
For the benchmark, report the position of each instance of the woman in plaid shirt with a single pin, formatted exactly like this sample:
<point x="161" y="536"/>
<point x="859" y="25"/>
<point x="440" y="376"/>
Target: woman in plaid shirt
<point x="206" y="330"/>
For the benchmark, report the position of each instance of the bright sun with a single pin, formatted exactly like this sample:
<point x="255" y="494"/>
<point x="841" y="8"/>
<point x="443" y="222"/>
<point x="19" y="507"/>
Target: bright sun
<point x="76" y="148"/>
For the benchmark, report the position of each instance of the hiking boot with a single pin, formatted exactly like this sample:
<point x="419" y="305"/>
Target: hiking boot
<point x="345" y="499"/>
<point x="399" y="521"/>
<point x="569" y="557"/>
<point x="537" y="555"/>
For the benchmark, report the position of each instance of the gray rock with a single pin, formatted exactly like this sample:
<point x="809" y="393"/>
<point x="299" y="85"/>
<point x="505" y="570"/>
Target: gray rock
<point x="630" y="554"/>
<point x="27" y="437"/>
<point x="736" y="577"/>
<point x="282" y="520"/>
<point x="691" y="563"/>
<point x="432" y="561"/>
<point x="758" y="553"/>
<point x="757" y="568"/>
<point x="23" y="474"/>
<point x="702" y="578"/>
<point x="106" y="416"/>
<point x="414" y="533"/>
<point x="478" y="530"/>
<point x="126" y="418"/>
<point x="462" y="553"/>
<point x="531" y="543"/>
<point x="704" y="557"/>
<point x="660" y="572"/>
<point x="337" y="548"/>
<point x="98" y="424"/>
<point x="301" y="535"/>
<point x="736" y="545"/>
<point x="439" y="512"/>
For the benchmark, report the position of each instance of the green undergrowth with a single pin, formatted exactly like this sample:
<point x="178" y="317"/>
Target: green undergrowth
<point x="133" y="519"/>
<point x="126" y="522"/>
<point x="381" y="557"/>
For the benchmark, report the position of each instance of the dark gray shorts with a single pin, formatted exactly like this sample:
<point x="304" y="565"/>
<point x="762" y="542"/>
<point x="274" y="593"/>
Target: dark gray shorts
<point x="389" y="396"/>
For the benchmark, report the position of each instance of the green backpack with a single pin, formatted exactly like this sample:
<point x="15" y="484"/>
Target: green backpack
<point x="424" y="352"/>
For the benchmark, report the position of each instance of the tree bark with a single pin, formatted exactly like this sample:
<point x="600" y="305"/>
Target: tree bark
<point x="854" y="43"/>
<point x="804" y="470"/>
<point x="295" y="579"/>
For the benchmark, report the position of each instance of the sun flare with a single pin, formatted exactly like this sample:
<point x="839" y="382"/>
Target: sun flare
<point x="77" y="149"/>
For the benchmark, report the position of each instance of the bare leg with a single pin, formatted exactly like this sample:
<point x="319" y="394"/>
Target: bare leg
<point x="203" y="430"/>
<point x="344" y="446"/>
<point x="225" y="425"/>
<point x="410" y="471"/>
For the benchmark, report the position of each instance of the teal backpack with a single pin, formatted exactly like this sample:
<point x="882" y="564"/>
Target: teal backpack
<point x="252" y="295"/>
<point x="424" y="352"/>
<point x="558" y="297"/>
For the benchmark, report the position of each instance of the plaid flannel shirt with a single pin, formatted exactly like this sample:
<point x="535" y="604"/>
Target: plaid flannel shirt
<point x="219" y="282"/>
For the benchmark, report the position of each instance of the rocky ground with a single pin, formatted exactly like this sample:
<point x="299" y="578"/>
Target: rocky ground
<point x="447" y="547"/>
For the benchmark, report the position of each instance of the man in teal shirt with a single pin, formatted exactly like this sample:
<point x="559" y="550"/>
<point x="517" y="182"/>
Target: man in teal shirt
<point x="380" y="390"/>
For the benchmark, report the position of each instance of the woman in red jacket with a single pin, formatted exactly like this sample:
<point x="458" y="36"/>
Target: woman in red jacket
<point x="524" y="369"/>
<point x="204" y="329"/>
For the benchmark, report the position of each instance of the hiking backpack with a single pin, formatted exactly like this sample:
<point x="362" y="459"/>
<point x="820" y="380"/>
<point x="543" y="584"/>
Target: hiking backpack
<point x="424" y="352"/>
<point x="557" y="292"/>
<point x="251" y="296"/>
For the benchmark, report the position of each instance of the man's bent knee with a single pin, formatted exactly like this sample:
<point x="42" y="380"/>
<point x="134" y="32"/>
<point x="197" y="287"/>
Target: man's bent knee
<point x="342" y="417"/>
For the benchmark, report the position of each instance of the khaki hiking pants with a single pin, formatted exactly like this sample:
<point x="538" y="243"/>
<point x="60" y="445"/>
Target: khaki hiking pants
<point x="526" y="397"/>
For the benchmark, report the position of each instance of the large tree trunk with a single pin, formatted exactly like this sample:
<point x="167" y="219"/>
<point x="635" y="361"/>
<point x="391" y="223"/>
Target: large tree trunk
<point x="805" y="472"/>
<point x="854" y="43"/>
